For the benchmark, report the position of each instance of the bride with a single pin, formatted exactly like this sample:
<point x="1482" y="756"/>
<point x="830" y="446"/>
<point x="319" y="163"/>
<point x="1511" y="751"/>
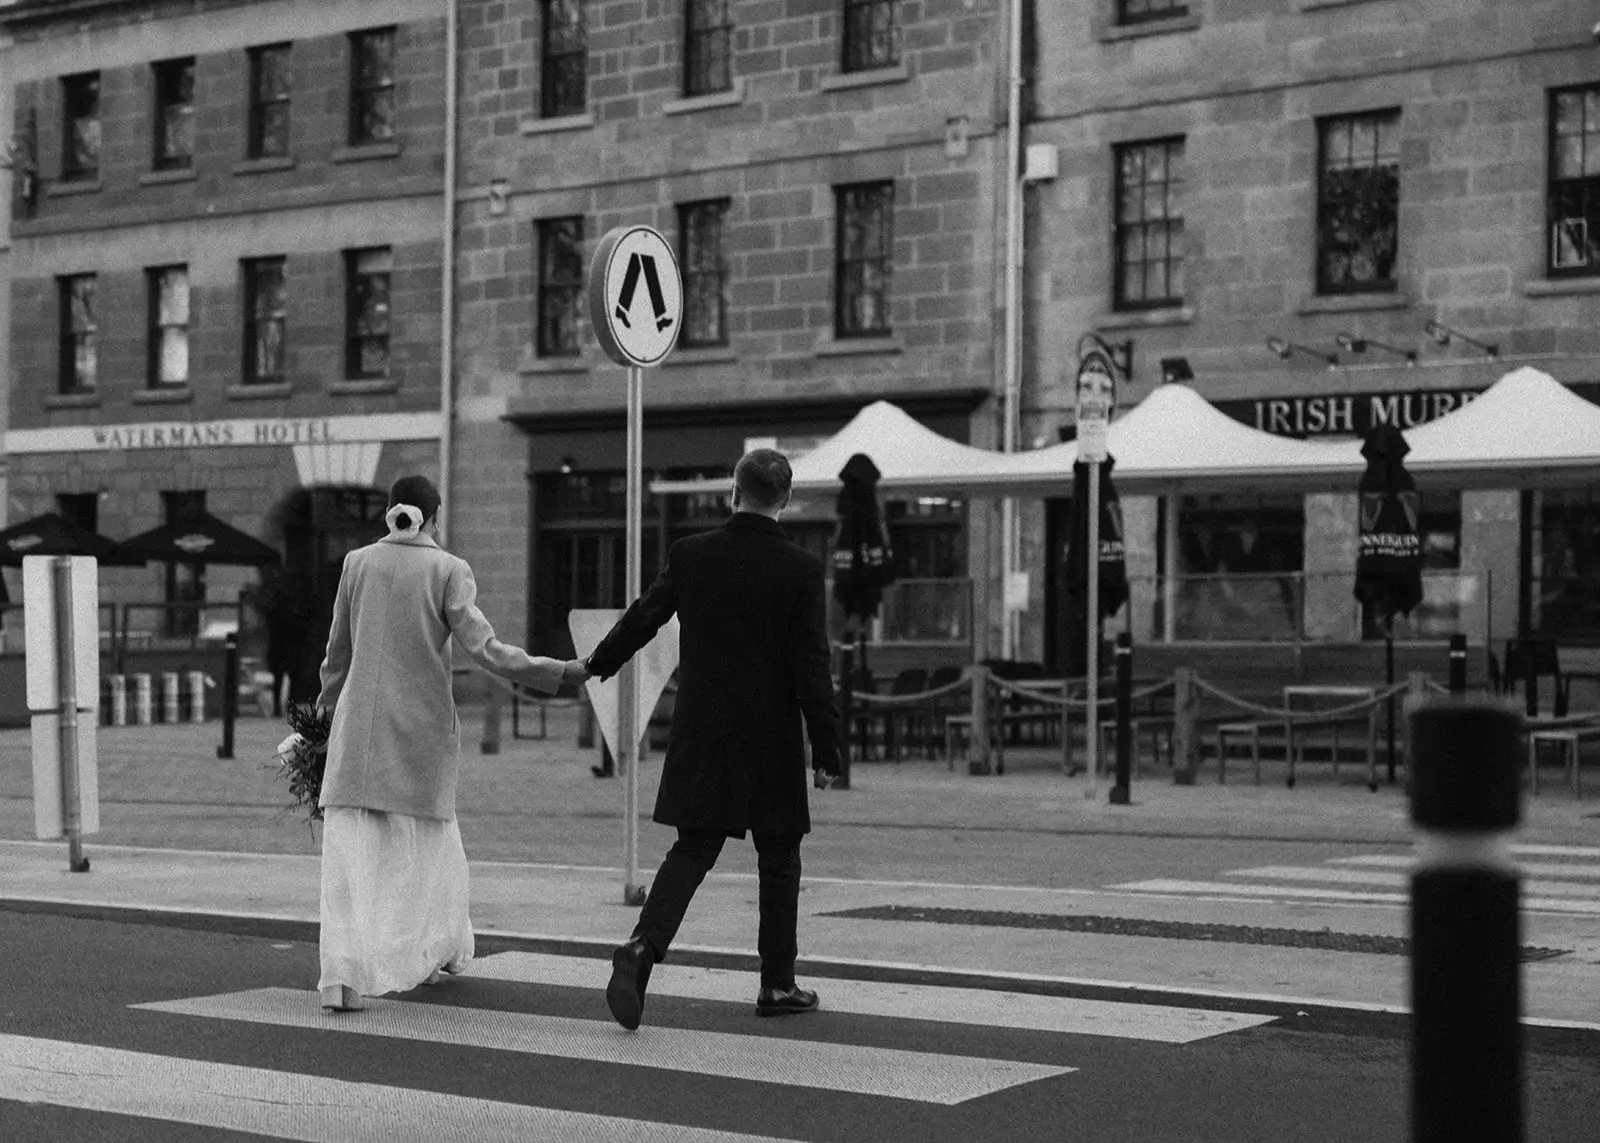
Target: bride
<point x="394" y="875"/>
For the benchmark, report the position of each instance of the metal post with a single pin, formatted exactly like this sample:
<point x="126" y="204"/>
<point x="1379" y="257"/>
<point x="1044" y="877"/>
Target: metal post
<point x="1185" y="744"/>
<point x="1458" y="663"/>
<point x="1169" y="586"/>
<point x="979" y="763"/>
<point x="847" y="688"/>
<point x="493" y="707"/>
<point x="1388" y="675"/>
<point x="628" y="682"/>
<point x="230" y="692"/>
<point x="1091" y="724"/>
<point x="67" y="726"/>
<point x="1121" y="791"/>
<point x="1466" y="988"/>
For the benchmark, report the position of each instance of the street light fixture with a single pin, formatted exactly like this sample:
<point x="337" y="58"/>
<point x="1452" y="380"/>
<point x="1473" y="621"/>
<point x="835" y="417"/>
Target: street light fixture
<point x="1287" y="349"/>
<point x="1360" y="344"/>
<point x="1174" y="369"/>
<point x="1443" y="334"/>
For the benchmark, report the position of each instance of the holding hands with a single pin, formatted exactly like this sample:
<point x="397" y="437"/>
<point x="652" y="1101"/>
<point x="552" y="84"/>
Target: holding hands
<point x="574" y="673"/>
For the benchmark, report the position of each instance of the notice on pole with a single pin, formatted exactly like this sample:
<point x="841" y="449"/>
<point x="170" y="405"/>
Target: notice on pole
<point x="1096" y="395"/>
<point x="655" y="663"/>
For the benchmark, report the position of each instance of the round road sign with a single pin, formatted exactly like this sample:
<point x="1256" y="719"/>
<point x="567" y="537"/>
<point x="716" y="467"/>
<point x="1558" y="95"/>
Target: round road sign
<point x="635" y="296"/>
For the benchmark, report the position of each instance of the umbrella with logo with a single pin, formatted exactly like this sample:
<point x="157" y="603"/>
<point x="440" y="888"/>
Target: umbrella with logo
<point x="1389" y="561"/>
<point x="1113" y="551"/>
<point x="201" y="538"/>
<point x="55" y="535"/>
<point x="863" y="565"/>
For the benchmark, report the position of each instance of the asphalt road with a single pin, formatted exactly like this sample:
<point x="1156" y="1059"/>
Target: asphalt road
<point x="1323" y="1075"/>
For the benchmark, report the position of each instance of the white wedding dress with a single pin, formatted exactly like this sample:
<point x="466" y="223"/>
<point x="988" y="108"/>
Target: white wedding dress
<point x="394" y="900"/>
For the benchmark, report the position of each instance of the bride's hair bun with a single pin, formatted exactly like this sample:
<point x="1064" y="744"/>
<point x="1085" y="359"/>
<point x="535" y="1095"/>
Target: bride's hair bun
<point x="415" y="492"/>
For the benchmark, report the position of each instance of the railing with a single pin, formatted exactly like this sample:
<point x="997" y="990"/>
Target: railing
<point x="13" y="634"/>
<point x="150" y="625"/>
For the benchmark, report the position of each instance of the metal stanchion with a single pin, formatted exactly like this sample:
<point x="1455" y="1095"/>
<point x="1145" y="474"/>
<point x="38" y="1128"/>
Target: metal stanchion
<point x="1458" y="664"/>
<point x="1466" y="990"/>
<point x="119" y="700"/>
<point x="197" y="696"/>
<point x="493" y="707"/>
<point x="1121" y="790"/>
<point x="230" y="693"/>
<point x="143" y="700"/>
<point x="847" y="688"/>
<point x="171" y="697"/>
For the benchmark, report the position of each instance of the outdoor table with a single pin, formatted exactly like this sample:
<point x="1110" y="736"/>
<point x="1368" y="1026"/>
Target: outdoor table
<point x="1566" y="731"/>
<point x="1335" y="696"/>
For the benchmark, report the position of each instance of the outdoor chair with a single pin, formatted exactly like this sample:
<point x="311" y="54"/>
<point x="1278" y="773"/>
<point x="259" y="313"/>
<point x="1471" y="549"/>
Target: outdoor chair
<point x="944" y="706"/>
<point x="1538" y="658"/>
<point x="904" y="725"/>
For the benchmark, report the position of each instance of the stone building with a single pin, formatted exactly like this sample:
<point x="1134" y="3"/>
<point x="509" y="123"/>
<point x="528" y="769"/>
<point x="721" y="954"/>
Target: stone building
<point x="226" y="271"/>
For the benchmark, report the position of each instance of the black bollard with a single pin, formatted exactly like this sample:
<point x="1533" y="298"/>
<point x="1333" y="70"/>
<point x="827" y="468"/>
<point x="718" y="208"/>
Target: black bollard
<point x="1466" y="1001"/>
<point x="230" y="692"/>
<point x="1458" y="664"/>
<point x="1121" y="791"/>
<point x="847" y="692"/>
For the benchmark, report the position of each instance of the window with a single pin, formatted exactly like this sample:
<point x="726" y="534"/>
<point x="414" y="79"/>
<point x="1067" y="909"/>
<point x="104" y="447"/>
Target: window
<point x="1575" y="181"/>
<point x="705" y="272"/>
<point x="1149" y="225"/>
<point x="265" y="320"/>
<point x="185" y="582"/>
<point x="1149" y="11"/>
<point x="372" y="86"/>
<point x="871" y="35"/>
<point x="168" y="288"/>
<point x="865" y="246"/>
<point x="1358" y="202"/>
<point x="707" y="34"/>
<point x="80" y="130"/>
<point x="174" y="115"/>
<point x="80" y="508"/>
<point x="269" y="103"/>
<point x="1564" y="591"/>
<point x="80" y="334"/>
<point x="564" y="56"/>
<point x="366" y="336"/>
<point x="560" y="286"/>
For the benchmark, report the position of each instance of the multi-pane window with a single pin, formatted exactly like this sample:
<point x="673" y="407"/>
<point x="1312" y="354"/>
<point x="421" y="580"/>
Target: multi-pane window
<point x="1147" y="11"/>
<point x="168" y="288"/>
<point x="269" y="102"/>
<point x="563" y="59"/>
<point x="265" y="320"/>
<point x="560" y="285"/>
<point x="80" y="508"/>
<point x="1575" y="180"/>
<point x="366" y="336"/>
<point x="1149" y="224"/>
<point x="174" y="114"/>
<point x="1358" y="202"/>
<point x="80" y="128"/>
<point x="372" y="86"/>
<point x="707" y="37"/>
<point x="865" y="255"/>
<point x="79" y="335"/>
<point x="871" y="35"/>
<point x="705" y="272"/>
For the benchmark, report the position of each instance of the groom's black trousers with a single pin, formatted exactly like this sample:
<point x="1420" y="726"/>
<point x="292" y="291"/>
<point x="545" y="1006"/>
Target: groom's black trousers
<point x="691" y="858"/>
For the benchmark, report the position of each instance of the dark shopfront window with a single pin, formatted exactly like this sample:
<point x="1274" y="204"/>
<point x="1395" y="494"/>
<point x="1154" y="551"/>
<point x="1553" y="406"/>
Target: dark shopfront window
<point x="1566" y="574"/>
<point x="185" y="583"/>
<point x="1238" y="559"/>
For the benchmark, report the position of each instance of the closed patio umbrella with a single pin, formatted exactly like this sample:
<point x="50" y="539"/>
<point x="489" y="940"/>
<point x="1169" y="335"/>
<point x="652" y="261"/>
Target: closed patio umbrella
<point x="54" y="535"/>
<point x="1113" y="552"/>
<point x="863" y="565"/>
<point x="201" y="538"/>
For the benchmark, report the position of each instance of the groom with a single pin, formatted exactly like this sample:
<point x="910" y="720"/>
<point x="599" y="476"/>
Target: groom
<point x="753" y="663"/>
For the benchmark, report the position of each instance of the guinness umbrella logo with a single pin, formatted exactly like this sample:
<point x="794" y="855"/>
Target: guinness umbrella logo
<point x="23" y="543"/>
<point x="194" y="543"/>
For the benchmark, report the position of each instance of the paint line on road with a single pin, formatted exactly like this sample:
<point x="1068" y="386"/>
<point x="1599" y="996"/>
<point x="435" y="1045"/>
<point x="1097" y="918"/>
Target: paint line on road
<point x="1226" y="890"/>
<point x="1565" y="870"/>
<point x="983" y="1007"/>
<point x="894" y="1073"/>
<point x="1532" y="887"/>
<point x="1558" y="850"/>
<point x="291" y="1105"/>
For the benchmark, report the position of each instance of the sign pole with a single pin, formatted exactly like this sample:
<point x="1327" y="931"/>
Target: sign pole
<point x="67" y="726"/>
<point x="632" y="718"/>
<point x="1092" y="659"/>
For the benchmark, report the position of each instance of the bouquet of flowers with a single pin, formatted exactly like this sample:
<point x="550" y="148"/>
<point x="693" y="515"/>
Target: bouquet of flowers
<point x="302" y="756"/>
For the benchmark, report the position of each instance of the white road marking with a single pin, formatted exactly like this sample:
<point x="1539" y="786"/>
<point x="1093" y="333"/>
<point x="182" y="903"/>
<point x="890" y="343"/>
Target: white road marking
<point x="1561" y="869"/>
<point x="983" y="1007"/>
<point x="1223" y="890"/>
<point x="291" y="1105"/>
<point x="1532" y="887"/>
<point x="1558" y="850"/>
<point x="922" y="1076"/>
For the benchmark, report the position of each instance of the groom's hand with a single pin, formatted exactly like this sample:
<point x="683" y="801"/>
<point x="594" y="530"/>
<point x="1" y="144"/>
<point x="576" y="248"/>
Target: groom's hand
<point x="823" y="780"/>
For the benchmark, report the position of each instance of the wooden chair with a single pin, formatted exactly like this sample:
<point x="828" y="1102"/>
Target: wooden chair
<point x="1535" y="658"/>
<point x="909" y="719"/>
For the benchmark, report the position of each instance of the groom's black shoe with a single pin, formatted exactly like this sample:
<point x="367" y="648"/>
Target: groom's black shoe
<point x="785" y="1001"/>
<point x="630" y="973"/>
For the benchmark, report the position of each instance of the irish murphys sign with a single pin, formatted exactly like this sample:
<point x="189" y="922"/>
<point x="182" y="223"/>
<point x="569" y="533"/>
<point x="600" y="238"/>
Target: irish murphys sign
<point x="635" y="296"/>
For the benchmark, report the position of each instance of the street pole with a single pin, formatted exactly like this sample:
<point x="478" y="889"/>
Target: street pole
<point x="1092" y="660"/>
<point x="629" y="715"/>
<point x="1121" y="788"/>
<point x="67" y="726"/>
<point x="230" y="692"/>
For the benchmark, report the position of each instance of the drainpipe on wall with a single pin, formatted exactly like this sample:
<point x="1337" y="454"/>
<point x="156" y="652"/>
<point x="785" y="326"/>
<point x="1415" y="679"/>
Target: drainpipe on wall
<point x="447" y="287"/>
<point x="1010" y="532"/>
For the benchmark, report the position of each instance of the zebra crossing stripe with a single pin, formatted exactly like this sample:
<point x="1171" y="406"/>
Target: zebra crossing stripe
<point x="925" y="1077"/>
<point x="983" y="1007"/>
<point x="1564" y="870"/>
<point x="1225" y="889"/>
<point x="1533" y="887"/>
<point x="291" y="1105"/>
<point x="1591" y="851"/>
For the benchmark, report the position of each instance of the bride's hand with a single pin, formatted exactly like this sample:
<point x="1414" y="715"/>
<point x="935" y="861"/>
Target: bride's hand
<point x="574" y="673"/>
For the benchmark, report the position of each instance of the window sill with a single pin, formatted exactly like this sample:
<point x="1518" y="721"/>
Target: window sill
<point x="1354" y="303"/>
<point x="260" y="391"/>
<point x="689" y="104"/>
<point x="67" y="189"/>
<point x="364" y="152"/>
<point x="547" y="366"/>
<point x="166" y="178"/>
<point x="362" y="386"/>
<point x="170" y="395"/>
<point x="72" y="401"/>
<point x="1318" y="5"/>
<point x="1146" y="319"/>
<point x="848" y="80"/>
<point x="858" y="346"/>
<point x="264" y="164"/>
<point x="533" y="125"/>
<point x="710" y="355"/>
<point x="1560" y="287"/>
<point x="1116" y="33"/>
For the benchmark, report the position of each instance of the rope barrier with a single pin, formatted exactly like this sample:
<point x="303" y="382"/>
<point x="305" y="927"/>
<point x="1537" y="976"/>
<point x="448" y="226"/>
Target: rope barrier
<point x="960" y="685"/>
<point x="1296" y="717"/>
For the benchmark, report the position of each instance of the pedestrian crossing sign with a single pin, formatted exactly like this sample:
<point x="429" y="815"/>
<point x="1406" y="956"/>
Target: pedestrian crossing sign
<point x="635" y="296"/>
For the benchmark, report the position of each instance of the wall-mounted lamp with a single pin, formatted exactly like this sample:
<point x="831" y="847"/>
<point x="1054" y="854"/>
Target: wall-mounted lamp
<point x="499" y="196"/>
<point x="1286" y="349"/>
<point x="1175" y="369"/>
<point x="1120" y="352"/>
<point x="1443" y="335"/>
<point x="568" y="466"/>
<point x="1360" y="344"/>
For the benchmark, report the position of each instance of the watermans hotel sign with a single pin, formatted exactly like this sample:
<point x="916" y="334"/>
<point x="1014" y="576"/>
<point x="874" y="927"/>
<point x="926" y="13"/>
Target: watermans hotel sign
<point x="264" y="431"/>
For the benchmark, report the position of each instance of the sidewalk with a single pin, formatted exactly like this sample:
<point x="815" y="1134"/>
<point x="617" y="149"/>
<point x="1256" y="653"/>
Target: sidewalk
<point x="186" y="832"/>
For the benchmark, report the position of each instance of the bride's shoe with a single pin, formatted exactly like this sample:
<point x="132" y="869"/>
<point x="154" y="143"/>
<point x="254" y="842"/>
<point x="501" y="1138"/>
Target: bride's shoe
<point x="434" y="977"/>
<point x="341" y="998"/>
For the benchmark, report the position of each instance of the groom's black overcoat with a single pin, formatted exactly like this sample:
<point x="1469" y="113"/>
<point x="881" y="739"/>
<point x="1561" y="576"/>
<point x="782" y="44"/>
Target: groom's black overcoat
<point x="754" y="659"/>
